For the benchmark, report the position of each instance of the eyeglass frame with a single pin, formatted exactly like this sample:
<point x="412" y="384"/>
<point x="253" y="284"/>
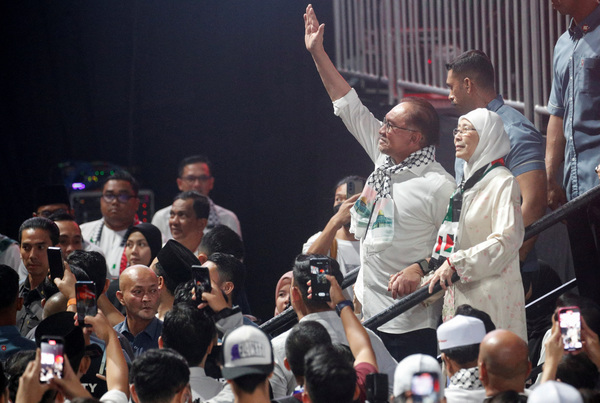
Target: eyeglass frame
<point x="120" y="197"/>
<point x="462" y="131"/>
<point x="389" y="127"/>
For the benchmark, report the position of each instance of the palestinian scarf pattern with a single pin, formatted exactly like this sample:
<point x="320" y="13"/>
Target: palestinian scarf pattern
<point x="467" y="378"/>
<point x="376" y="197"/>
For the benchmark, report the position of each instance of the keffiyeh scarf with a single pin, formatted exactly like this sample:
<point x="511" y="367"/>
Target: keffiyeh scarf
<point x="376" y="196"/>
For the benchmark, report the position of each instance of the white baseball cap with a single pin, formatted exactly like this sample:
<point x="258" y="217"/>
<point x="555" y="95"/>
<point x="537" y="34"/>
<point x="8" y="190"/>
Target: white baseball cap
<point x="246" y="351"/>
<point x="555" y="392"/>
<point x="414" y="364"/>
<point x="460" y="331"/>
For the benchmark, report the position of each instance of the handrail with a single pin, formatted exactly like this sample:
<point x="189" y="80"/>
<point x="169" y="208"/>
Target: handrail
<point x="422" y="294"/>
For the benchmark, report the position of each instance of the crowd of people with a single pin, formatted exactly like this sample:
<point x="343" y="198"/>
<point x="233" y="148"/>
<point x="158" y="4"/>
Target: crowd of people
<point x="159" y="332"/>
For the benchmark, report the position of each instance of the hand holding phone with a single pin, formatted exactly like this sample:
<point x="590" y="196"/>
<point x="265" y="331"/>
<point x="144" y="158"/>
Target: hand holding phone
<point x="425" y="387"/>
<point x="85" y="293"/>
<point x="569" y="319"/>
<point x="55" y="261"/>
<point x="319" y="268"/>
<point x="52" y="358"/>
<point x="201" y="277"/>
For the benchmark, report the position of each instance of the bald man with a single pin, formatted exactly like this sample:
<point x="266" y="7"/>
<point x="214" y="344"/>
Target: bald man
<point x="139" y="294"/>
<point x="503" y="363"/>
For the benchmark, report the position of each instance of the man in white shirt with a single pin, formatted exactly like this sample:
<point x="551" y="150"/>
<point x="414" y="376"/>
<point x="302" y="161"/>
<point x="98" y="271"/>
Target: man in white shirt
<point x="195" y="174"/>
<point x="119" y="204"/>
<point x="283" y="381"/>
<point x="403" y="204"/>
<point x="188" y="218"/>
<point x="336" y="240"/>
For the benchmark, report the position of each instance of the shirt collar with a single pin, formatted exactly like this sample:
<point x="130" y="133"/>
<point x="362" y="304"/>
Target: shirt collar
<point x="150" y="330"/>
<point x="496" y="103"/>
<point x="589" y="23"/>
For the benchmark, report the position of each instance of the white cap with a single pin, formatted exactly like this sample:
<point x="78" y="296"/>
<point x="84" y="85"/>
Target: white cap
<point x="555" y="392"/>
<point x="460" y="331"/>
<point x="412" y="365"/>
<point x="246" y="350"/>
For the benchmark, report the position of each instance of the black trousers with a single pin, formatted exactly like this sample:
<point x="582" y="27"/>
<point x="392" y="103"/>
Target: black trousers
<point x="584" y="236"/>
<point x="422" y="341"/>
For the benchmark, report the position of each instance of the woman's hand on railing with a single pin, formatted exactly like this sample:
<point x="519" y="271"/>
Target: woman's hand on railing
<point x="443" y="276"/>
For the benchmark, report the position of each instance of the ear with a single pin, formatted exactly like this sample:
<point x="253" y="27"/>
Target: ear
<point x="106" y="285"/>
<point x="286" y="364"/>
<point x="228" y="287"/>
<point x="43" y="302"/>
<point x="482" y="372"/>
<point x="19" y="303"/>
<point x="202" y="222"/>
<point x="468" y="84"/>
<point x="84" y="365"/>
<point x="295" y="294"/>
<point x="210" y="347"/>
<point x="161" y="282"/>
<point x="119" y="295"/>
<point x="134" y="395"/>
<point x="202" y="257"/>
<point x="160" y="342"/>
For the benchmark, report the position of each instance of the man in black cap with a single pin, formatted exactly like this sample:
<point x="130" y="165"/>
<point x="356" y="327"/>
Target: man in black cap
<point x="173" y="267"/>
<point x="51" y="199"/>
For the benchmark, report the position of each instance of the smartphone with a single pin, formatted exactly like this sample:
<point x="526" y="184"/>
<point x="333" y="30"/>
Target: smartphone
<point x="425" y="387"/>
<point x="569" y="319"/>
<point x="52" y="358"/>
<point x="201" y="278"/>
<point x="85" y="291"/>
<point x="319" y="267"/>
<point x="55" y="261"/>
<point x="354" y="186"/>
<point x="377" y="387"/>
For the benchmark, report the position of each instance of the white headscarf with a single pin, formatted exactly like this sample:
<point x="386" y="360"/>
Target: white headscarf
<point x="493" y="140"/>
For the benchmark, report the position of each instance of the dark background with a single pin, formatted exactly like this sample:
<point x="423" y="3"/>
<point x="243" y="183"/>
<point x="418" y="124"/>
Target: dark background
<point x="145" y="83"/>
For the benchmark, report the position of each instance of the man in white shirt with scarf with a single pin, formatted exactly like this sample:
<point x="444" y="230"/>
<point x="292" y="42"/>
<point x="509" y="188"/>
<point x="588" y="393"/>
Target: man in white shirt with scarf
<point x="404" y="201"/>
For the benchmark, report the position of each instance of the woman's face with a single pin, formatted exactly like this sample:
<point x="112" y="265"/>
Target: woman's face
<point x="465" y="140"/>
<point x="137" y="249"/>
<point x="283" y="295"/>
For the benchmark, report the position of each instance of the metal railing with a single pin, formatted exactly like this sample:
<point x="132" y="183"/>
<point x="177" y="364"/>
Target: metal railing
<point x="406" y="44"/>
<point x="422" y="294"/>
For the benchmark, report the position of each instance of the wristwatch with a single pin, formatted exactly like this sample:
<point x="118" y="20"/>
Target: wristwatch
<point x="225" y="313"/>
<point x="424" y="264"/>
<point x="342" y="305"/>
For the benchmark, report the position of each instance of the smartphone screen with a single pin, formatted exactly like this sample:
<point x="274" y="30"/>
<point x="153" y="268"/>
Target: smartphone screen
<point x="201" y="278"/>
<point x="353" y="187"/>
<point x="569" y="319"/>
<point x="52" y="358"/>
<point x="55" y="261"/>
<point x="425" y="387"/>
<point x="85" y="291"/>
<point x="319" y="267"/>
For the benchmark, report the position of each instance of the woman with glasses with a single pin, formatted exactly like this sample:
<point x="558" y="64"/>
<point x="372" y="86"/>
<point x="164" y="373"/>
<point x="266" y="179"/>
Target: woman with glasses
<point x="483" y="229"/>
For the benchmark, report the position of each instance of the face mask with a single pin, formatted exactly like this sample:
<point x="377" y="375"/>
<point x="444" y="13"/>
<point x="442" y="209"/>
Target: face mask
<point x="336" y="208"/>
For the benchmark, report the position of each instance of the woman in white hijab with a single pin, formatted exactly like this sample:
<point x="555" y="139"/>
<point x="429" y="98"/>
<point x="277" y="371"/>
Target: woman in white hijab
<point x="483" y="230"/>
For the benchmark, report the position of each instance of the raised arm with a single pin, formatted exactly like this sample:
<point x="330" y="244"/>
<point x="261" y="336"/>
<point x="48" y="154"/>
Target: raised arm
<point x="358" y="338"/>
<point x="333" y="81"/>
<point x="322" y="244"/>
<point x="555" y="155"/>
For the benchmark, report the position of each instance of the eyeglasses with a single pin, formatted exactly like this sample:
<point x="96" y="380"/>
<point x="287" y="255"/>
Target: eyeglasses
<point x="462" y="131"/>
<point x="121" y="197"/>
<point x="192" y="179"/>
<point x="389" y="127"/>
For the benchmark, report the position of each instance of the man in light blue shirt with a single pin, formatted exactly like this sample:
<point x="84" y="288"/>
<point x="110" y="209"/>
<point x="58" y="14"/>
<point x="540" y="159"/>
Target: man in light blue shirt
<point x="574" y="134"/>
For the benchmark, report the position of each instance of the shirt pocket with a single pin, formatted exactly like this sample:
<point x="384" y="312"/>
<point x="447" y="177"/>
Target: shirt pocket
<point x="591" y="76"/>
<point x="587" y="106"/>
